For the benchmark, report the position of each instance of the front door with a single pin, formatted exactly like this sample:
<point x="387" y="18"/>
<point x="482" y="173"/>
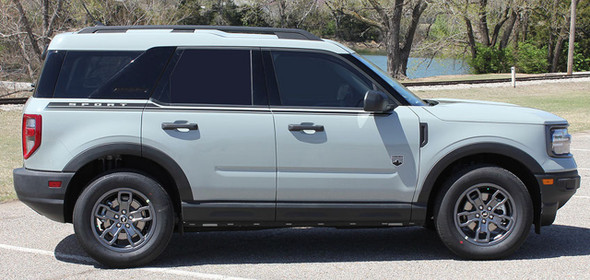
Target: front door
<point x="336" y="162"/>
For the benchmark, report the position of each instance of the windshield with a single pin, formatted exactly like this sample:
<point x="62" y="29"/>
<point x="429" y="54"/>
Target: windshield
<point x="401" y="89"/>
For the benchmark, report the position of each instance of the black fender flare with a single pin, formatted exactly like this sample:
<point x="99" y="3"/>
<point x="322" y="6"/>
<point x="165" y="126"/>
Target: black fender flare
<point x="420" y="211"/>
<point x="153" y="154"/>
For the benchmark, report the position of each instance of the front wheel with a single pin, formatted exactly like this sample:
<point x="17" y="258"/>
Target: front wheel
<point x="124" y="219"/>
<point x="484" y="213"/>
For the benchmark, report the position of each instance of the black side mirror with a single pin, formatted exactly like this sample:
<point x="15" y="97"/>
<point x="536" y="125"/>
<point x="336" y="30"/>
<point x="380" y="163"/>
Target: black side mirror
<point x="378" y="102"/>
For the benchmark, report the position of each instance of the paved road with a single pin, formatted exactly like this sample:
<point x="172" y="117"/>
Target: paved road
<point x="32" y="247"/>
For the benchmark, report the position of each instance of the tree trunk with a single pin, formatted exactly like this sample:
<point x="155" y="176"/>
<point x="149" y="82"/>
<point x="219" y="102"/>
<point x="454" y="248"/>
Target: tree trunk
<point x="470" y="37"/>
<point x="508" y="30"/>
<point x="407" y="48"/>
<point x="483" y="23"/>
<point x="557" y="53"/>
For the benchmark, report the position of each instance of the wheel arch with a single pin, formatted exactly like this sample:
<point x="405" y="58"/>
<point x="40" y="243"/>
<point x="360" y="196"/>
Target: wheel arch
<point x="508" y="157"/>
<point x="110" y="158"/>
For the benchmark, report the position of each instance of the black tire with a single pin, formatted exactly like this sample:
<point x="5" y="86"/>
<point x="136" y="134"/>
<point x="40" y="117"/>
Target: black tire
<point x="484" y="213"/>
<point x="104" y="212"/>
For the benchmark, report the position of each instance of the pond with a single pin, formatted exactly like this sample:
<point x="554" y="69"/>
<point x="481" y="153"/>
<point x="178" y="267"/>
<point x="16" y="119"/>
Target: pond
<point x="424" y="67"/>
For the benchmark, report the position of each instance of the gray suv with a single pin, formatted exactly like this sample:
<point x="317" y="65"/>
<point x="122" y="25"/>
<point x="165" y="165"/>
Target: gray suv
<point x="136" y="132"/>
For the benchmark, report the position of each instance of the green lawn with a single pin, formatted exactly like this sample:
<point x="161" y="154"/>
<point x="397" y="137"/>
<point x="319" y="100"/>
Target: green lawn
<point x="10" y="151"/>
<point x="569" y="100"/>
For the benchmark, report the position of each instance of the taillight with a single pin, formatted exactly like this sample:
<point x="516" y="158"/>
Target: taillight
<point x="31" y="134"/>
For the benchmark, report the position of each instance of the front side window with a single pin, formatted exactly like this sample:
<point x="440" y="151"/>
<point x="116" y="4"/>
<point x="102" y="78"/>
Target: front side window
<point x="318" y="80"/>
<point x="201" y="76"/>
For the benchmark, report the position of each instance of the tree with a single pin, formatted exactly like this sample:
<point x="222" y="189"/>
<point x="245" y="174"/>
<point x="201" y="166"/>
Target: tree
<point x="397" y="35"/>
<point x="26" y="28"/>
<point x="485" y="21"/>
<point x="552" y="19"/>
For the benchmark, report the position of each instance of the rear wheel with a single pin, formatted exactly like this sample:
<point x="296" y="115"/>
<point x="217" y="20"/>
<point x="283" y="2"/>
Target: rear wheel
<point x="485" y="213"/>
<point x="124" y="219"/>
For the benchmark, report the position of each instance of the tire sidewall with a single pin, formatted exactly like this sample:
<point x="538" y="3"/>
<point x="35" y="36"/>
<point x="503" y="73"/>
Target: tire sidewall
<point x="445" y="218"/>
<point x="163" y="222"/>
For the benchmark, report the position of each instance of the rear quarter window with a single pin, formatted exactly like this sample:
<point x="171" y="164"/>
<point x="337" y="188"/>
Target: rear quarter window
<point x="104" y="74"/>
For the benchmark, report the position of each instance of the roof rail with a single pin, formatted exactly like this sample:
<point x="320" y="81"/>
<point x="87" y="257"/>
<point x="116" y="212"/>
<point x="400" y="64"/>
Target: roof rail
<point x="281" y="33"/>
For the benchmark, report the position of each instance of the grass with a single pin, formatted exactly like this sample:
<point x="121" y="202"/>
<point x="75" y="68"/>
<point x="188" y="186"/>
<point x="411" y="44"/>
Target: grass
<point x="569" y="100"/>
<point x="470" y="77"/>
<point x="10" y="151"/>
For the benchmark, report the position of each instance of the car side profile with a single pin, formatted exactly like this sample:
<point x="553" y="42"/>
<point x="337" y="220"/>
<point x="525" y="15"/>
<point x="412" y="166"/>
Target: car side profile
<point x="135" y="132"/>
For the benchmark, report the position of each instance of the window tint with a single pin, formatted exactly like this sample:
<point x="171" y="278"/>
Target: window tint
<point x="137" y="79"/>
<point x="209" y="77"/>
<point x="83" y="72"/>
<point x="109" y="74"/>
<point x="313" y="79"/>
<point x="50" y="73"/>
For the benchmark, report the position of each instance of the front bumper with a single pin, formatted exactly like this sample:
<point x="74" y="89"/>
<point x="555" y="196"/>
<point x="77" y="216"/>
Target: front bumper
<point x="556" y="190"/>
<point x="32" y="188"/>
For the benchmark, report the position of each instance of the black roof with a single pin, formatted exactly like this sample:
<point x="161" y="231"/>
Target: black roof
<point x="282" y="33"/>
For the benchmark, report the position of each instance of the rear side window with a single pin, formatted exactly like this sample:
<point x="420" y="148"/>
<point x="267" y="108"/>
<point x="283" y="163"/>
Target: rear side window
<point x="203" y="76"/>
<point x="110" y="74"/>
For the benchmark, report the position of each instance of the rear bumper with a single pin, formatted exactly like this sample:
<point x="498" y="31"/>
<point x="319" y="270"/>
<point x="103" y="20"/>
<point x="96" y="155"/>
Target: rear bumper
<point x="32" y="188"/>
<point x="555" y="195"/>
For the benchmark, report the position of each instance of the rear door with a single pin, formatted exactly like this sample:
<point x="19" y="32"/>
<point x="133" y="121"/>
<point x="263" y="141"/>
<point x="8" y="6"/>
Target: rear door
<point x="210" y="115"/>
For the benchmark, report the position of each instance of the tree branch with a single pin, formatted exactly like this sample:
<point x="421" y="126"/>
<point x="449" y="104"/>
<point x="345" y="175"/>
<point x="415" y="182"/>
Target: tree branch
<point x="499" y="25"/>
<point x="50" y="27"/>
<point x="362" y="18"/>
<point x="28" y="28"/>
<point x="379" y="10"/>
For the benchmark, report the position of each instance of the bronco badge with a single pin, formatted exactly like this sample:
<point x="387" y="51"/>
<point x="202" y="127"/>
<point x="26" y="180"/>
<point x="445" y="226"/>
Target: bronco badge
<point x="397" y="160"/>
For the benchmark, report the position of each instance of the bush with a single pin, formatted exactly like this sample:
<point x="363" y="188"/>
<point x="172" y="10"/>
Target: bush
<point x="491" y="60"/>
<point x="530" y="58"/>
<point x="581" y="62"/>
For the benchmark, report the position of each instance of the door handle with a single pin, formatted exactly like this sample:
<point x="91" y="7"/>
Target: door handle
<point x="173" y="126"/>
<point x="301" y="127"/>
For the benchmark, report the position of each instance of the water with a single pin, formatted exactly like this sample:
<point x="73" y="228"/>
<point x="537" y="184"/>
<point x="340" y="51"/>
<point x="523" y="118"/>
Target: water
<point x="423" y="67"/>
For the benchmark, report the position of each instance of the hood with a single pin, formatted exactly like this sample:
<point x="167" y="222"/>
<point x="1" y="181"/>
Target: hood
<point x="459" y="110"/>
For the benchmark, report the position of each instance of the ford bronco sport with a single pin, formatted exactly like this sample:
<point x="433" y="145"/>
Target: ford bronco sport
<point x="136" y="132"/>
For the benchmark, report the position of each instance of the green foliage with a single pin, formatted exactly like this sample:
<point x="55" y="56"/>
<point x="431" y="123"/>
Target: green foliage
<point x="530" y="58"/>
<point x="491" y="60"/>
<point x="441" y="28"/>
<point x="581" y="58"/>
<point x="253" y="16"/>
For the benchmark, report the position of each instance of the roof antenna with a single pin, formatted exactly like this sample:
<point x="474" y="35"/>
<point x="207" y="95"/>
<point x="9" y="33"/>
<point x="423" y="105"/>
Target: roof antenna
<point x="96" y="22"/>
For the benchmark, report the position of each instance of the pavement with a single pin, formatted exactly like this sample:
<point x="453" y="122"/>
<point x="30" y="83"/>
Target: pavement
<point x="33" y="247"/>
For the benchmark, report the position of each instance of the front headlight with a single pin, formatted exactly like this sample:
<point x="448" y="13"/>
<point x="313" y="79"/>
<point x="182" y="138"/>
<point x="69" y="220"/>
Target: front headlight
<point x="560" y="141"/>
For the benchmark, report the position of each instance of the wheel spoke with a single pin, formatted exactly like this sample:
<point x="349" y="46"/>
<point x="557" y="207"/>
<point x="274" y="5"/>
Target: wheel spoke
<point x="490" y="202"/>
<point x="130" y="234"/>
<point x="495" y="203"/>
<point x="124" y="198"/>
<point x="108" y="213"/>
<point x="470" y="216"/>
<point x="477" y="202"/>
<point x="132" y="231"/>
<point x="482" y="229"/>
<point x="114" y="231"/>
<point x="501" y="218"/>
